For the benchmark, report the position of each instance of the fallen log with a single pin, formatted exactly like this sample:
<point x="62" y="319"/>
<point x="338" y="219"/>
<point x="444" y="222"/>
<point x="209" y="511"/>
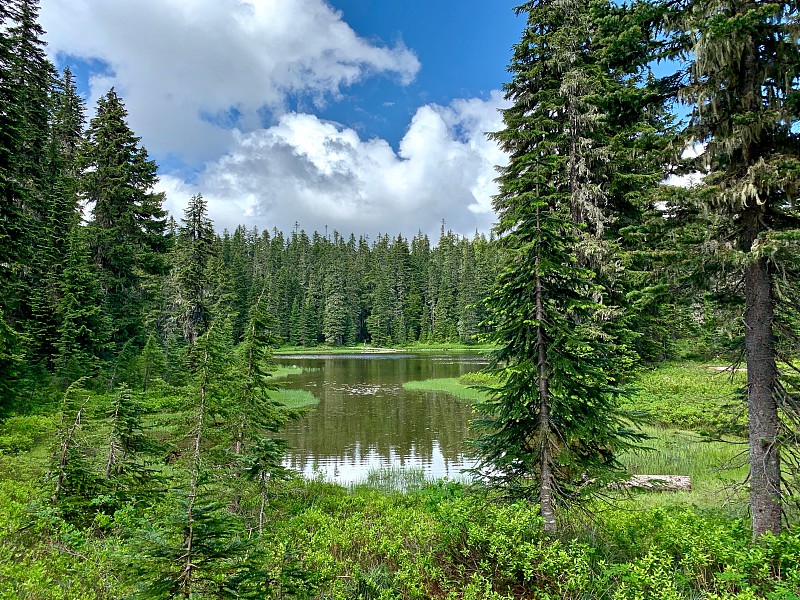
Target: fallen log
<point x="659" y="483"/>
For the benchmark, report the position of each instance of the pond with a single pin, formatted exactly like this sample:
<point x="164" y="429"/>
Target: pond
<point x="365" y="420"/>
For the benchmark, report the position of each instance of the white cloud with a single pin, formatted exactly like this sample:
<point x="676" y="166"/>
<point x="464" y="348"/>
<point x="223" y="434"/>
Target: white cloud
<point x="174" y="60"/>
<point x="197" y="76"/>
<point x="693" y="179"/>
<point x="318" y="173"/>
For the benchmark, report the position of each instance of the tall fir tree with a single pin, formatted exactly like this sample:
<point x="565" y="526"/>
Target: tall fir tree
<point x="128" y="222"/>
<point x="61" y="190"/>
<point x="553" y="429"/>
<point x="84" y="329"/>
<point x="192" y="254"/>
<point x="27" y="77"/>
<point x="12" y="228"/>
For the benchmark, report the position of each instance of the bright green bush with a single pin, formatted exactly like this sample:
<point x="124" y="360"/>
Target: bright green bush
<point x="19" y="433"/>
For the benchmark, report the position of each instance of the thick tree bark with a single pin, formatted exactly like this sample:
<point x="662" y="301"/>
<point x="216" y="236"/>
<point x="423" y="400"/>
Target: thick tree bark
<point x="762" y="373"/>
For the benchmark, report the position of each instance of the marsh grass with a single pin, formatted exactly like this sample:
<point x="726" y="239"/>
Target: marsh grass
<point x="447" y="385"/>
<point x="393" y="479"/>
<point x="693" y="396"/>
<point x="717" y="469"/>
<point x="283" y="371"/>
<point x="294" y="398"/>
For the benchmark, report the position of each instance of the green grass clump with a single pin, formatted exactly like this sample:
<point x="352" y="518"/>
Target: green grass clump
<point x="294" y="398"/>
<point x="19" y="433"/>
<point x="447" y="385"/>
<point x="394" y="479"/>
<point x="284" y="371"/>
<point x="716" y="469"/>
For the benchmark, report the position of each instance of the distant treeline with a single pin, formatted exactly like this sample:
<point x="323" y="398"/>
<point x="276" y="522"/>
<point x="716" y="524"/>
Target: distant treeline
<point x="336" y="290"/>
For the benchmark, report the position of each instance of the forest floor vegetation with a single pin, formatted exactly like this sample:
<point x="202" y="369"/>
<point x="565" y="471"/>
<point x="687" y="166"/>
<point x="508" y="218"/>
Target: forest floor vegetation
<point x="396" y="535"/>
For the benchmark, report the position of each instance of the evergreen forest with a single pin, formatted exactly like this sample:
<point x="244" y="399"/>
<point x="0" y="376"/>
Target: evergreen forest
<point x="141" y="407"/>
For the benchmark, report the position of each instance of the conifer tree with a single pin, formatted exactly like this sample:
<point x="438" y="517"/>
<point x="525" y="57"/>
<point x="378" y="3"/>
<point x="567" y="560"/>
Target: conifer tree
<point x="744" y="86"/>
<point x="334" y="328"/>
<point x="84" y="329"/>
<point x="255" y="413"/>
<point x="66" y="133"/>
<point x="195" y="548"/>
<point x="193" y="252"/>
<point x="12" y="227"/>
<point x="128" y="221"/>
<point x="75" y="481"/>
<point x="553" y="429"/>
<point x="126" y="435"/>
<point x="152" y="362"/>
<point x="26" y="77"/>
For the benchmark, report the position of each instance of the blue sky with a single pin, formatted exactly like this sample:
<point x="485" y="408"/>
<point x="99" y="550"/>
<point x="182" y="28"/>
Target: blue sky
<point x="366" y="116"/>
<point x="463" y="53"/>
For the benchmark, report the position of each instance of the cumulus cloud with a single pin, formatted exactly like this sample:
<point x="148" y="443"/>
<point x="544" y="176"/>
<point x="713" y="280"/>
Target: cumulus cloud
<point x="189" y="69"/>
<point x="207" y="84"/>
<point x="318" y="173"/>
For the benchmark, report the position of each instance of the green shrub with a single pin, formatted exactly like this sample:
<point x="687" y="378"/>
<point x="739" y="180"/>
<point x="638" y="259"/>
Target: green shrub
<point x="20" y="433"/>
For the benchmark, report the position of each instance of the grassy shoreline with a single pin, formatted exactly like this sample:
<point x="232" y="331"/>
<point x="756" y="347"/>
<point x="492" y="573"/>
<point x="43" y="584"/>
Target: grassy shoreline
<point x="294" y="399"/>
<point x="365" y="349"/>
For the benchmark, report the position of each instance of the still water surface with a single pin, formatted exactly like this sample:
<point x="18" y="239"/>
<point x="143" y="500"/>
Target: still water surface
<point x="365" y="420"/>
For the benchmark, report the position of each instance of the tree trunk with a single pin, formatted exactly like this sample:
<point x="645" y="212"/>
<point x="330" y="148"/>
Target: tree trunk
<point x="63" y="458"/>
<point x="765" y="471"/>
<point x="187" y="575"/>
<point x="545" y="469"/>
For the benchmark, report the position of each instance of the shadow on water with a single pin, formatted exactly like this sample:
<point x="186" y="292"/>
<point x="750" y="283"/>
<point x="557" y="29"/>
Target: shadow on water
<point x="365" y="420"/>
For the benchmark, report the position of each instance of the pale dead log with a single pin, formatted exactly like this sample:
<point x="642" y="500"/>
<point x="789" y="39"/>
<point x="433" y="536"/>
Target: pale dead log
<point x="659" y="483"/>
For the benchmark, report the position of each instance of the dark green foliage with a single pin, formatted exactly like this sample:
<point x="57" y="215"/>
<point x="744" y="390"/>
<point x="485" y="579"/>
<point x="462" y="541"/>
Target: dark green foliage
<point x="743" y="84"/>
<point x="255" y="413"/>
<point x="10" y="365"/>
<point x="552" y="429"/>
<point x="26" y="79"/>
<point x="191" y="552"/>
<point x="151" y="363"/>
<point x="53" y="247"/>
<point x="128" y="223"/>
<point x="555" y="413"/>
<point x="128" y="444"/>
<point x="84" y="330"/>
<point x="192" y="254"/>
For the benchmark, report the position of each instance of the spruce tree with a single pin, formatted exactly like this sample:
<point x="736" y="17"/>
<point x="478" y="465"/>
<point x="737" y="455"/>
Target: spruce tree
<point x="84" y="329"/>
<point x="12" y="227"/>
<point x="126" y="438"/>
<point x="193" y="252"/>
<point x="195" y="547"/>
<point x="66" y="133"/>
<point x="26" y="78"/>
<point x="152" y="362"/>
<point x="254" y="412"/>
